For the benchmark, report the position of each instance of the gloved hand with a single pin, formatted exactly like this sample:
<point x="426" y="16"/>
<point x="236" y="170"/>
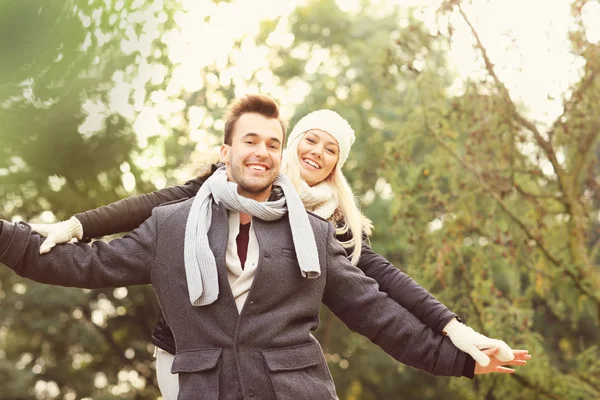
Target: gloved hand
<point x="472" y="342"/>
<point x="60" y="232"/>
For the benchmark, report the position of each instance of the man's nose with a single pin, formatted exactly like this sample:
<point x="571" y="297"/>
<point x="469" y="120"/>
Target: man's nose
<point x="261" y="150"/>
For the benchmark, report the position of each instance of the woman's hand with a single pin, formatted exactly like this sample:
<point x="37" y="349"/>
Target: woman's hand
<point x="473" y="343"/>
<point x="60" y="232"/>
<point x="497" y="366"/>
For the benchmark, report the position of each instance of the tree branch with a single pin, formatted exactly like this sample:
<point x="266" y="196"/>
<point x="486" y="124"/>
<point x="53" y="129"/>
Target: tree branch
<point x="568" y="104"/>
<point x="594" y="386"/>
<point x="508" y="210"/>
<point x="535" y="196"/>
<point x="543" y="143"/>
<point x="480" y="313"/>
<point x="585" y="148"/>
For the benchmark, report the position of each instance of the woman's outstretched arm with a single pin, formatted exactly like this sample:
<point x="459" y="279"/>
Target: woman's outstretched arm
<point x="419" y="302"/>
<point x="127" y="214"/>
<point x="121" y="216"/>
<point x="404" y="290"/>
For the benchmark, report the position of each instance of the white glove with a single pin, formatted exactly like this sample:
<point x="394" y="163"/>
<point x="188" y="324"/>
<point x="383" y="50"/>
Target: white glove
<point x="60" y="232"/>
<point x="472" y="342"/>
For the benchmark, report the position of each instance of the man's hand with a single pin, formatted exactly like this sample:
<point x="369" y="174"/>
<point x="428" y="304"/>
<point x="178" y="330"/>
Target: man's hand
<point x="471" y="342"/>
<point x="60" y="232"/>
<point x="520" y="357"/>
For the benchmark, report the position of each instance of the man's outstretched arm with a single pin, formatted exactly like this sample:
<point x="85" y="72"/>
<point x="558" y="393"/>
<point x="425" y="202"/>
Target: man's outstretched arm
<point x="121" y="262"/>
<point x="358" y="302"/>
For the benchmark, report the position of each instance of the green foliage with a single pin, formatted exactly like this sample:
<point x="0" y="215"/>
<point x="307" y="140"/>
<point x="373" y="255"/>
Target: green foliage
<point x="475" y="215"/>
<point x="495" y="218"/>
<point x="58" y="57"/>
<point x="66" y="55"/>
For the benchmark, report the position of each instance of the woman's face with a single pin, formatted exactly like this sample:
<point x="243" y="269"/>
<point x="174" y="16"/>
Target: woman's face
<point x="318" y="153"/>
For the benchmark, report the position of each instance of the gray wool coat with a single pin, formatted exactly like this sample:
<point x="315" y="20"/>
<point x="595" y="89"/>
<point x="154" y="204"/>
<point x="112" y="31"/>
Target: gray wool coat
<point x="265" y="352"/>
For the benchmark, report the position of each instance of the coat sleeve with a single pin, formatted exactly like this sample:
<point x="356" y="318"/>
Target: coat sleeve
<point x="121" y="262"/>
<point x="358" y="302"/>
<point x="127" y="214"/>
<point x="404" y="290"/>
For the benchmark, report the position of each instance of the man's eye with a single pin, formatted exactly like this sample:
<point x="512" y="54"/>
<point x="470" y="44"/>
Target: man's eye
<point x="274" y="147"/>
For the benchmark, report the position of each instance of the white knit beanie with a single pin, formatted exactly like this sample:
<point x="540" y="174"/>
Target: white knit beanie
<point x="330" y="122"/>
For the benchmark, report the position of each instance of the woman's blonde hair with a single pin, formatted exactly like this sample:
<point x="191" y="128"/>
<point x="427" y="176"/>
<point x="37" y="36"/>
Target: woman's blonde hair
<point x="353" y="222"/>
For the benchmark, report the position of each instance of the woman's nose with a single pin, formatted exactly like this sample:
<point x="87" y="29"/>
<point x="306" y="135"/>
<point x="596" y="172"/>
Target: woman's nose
<point x="316" y="151"/>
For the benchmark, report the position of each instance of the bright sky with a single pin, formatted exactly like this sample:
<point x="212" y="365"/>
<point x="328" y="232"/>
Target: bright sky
<point x="537" y="67"/>
<point x="526" y="40"/>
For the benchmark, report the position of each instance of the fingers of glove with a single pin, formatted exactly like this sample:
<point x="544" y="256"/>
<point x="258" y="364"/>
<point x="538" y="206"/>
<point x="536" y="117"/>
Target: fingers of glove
<point x="46" y="246"/>
<point x="53" y="239"/>
<point x="60" y="236"/>
<point x="483" y="343"/>
<point x="479" y="357"/>
<point x="505" y="353"/>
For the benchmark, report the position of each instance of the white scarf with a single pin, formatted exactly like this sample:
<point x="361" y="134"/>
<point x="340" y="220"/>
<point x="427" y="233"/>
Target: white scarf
<point x="319" y="199"/>
<point x="200" y="264"/>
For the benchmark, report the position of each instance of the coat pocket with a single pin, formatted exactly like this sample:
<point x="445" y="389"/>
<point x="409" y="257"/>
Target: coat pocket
<point x="299" y="372"/>
<point x="198" y="371"/>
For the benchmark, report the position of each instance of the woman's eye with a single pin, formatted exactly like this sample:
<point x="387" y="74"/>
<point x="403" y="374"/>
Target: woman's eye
<point x="331" y="151"/>
<point x="310" y="140"/>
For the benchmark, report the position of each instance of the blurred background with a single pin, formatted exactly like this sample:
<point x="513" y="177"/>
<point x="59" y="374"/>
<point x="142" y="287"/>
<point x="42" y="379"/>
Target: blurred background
<point x="477" y="158"/>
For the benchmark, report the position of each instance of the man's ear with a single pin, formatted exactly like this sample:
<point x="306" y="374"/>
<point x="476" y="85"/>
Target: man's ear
<point x="224" y="153"/>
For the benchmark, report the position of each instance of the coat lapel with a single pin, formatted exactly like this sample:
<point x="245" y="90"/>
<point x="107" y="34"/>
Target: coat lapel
<point x="218" y="236"/>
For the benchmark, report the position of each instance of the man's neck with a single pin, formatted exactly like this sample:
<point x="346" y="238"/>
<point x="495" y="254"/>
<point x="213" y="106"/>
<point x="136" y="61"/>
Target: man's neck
<point x="245" y="219"/>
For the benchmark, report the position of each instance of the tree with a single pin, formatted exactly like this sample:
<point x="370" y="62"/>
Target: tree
<point x="500" y="215"/>
<point x="488" y="211"/>
<point x="60" y="57"/>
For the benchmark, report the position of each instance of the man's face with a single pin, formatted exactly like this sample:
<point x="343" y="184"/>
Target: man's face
<point x="253" y="159"/>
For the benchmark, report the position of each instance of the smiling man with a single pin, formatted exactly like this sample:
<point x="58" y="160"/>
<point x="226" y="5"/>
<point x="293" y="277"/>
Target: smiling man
<point x="253" y="159"/>
<point x="240" y="280"/>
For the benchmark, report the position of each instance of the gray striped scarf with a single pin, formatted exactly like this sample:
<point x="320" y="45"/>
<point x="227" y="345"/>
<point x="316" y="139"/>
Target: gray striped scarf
<point x="200" y="264"/>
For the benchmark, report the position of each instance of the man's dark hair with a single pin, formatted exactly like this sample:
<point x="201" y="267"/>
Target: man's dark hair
<point x="254" y="103"/>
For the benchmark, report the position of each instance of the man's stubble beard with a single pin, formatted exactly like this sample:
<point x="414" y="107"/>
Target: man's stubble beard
<point x="238" y="176"/>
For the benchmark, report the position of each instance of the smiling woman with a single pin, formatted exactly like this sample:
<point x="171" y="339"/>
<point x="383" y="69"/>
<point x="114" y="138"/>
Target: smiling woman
<point x="318" y="154"/>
